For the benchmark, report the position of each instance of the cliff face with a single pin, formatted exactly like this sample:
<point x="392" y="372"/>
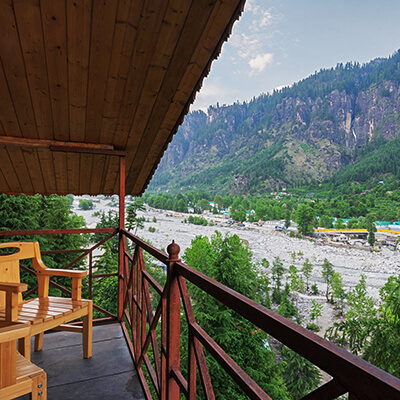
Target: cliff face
<point x="287" y="138"/>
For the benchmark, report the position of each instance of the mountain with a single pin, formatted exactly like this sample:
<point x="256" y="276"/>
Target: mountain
<point x="300" y="134"/>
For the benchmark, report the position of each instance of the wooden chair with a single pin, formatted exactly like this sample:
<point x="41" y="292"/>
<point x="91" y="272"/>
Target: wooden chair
<point x="18" y="376"/>
<point x="44" y="312"/>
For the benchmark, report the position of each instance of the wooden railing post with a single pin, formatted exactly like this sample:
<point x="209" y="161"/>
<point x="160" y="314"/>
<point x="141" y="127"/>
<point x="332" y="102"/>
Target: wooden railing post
<point x="173" y="323"/>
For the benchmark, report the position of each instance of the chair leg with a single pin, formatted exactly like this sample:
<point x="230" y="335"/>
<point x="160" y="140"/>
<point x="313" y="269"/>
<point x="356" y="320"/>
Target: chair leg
<point x="39" y="388"/>
<point x="24" y="347"/>
<point x="87" y="332"/>
<point x="39" y="341"/>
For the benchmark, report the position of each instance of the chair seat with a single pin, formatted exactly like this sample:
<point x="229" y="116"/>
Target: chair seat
<point x="29" y="379"/>
<point x="40" y="310"/>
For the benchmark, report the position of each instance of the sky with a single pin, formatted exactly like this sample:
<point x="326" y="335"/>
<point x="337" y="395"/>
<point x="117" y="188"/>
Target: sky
<point x="278" y="42"/>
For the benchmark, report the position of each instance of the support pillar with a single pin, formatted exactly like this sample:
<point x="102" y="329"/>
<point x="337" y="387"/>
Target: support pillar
<point x="173" y="322"/>
<point x="121" y="258"/>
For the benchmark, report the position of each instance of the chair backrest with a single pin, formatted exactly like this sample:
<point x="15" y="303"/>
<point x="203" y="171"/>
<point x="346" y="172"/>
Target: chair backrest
<point x="9" y="263"/>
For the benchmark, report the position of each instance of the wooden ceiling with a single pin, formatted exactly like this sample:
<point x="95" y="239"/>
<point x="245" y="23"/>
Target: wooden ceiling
<point x="84" y="81"/>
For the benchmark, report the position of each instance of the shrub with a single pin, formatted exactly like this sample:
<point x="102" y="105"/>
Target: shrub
<point x="312" y="327"/>
<point x="152" y="229"/>
<point x="86" y="204"/>
<point x="314" y="289"/>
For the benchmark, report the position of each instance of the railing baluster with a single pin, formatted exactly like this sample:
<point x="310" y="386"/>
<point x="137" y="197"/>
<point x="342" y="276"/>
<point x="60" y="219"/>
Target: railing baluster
<point x="191" y="368"/>
<point x="141" y="312"/>
<point x="196" y="346"/>
<point x="90" y="274"/>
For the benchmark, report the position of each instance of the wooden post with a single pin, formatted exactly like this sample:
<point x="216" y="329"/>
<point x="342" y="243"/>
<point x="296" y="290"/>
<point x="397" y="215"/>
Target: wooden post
<point x="173" y="322"/>
<point x="90" y="274"/>
<point x="121" y="259"/>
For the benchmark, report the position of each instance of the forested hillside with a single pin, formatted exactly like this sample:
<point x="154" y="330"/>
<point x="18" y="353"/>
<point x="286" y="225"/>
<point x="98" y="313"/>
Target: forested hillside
<point x="295" y="136"/>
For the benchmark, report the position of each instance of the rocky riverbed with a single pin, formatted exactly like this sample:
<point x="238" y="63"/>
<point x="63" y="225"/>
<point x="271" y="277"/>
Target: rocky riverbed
<point x="265" y="242"/>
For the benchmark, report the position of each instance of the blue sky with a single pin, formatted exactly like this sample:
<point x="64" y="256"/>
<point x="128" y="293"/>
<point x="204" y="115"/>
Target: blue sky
<point x="278" y="42"/>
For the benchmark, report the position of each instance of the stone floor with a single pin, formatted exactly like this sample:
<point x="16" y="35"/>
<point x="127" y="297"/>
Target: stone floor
<point x="109" y="374"/>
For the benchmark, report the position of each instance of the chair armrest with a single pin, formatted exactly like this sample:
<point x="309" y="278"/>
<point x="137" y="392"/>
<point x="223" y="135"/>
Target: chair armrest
<point x="13" y="331"/>
<point x="13" y="287"/>
<point x="12" y="296"/>
<point x="75" y="275"/>
<point x="63" y="272"/>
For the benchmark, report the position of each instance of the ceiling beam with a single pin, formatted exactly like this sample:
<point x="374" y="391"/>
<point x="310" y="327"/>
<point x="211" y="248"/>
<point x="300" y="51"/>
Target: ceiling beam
<point x="66" y="147"/>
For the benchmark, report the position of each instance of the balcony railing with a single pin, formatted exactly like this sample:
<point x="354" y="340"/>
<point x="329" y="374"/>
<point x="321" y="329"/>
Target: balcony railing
<point x="158" y="359"/>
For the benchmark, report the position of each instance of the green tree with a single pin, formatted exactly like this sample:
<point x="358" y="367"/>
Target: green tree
<point x="204" y="204"/>
<point x="327" y="273"/>
<point x="326" y="221"/>
<point x="287" y="218"/>
<point x="239" y="214"/>
<point x="305" y="218"/>
<point x="86" y="204"/>
<point x="338" y="292"/>
<point x="315" y="311"/>
<point x="300" y="375"/>
<point x="181" y="206"/>
<point x="132" y="220"/>
<point x="218" y="202"/>
<point x="339" y="224"/>
<point x="307" y="270"/>
<point x="371" y="228"/>
<point x="296" y="283"/>
<point x="107" y="220"/>
<point x="371" y="332"/>
<point x="229" y="262"/>
<point x="277" y="272"/>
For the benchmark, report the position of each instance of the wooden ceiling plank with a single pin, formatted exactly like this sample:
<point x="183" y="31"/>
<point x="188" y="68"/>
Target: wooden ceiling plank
<point x="102" y="33"/>
<point x="55" y="40"/>
<point x="8" y="116"/>
<point x="152" y="16"/>
<point x="112" y="177"/>
<point x="13" y="63"/>
<point x="104" y="176"/>
<point x="73" y="169"/>
<point x="201" y="57"/>
<point x="205" y="49"/>
<point x="48" y="170"/>
<point x="60" y="171"/>
<point x="5" y="188"/>
<point x="7" y="168"/>
<point x="126" y="26"/>
<point x="85" y="177"/>
<point x="17" y="159"/>
<point x="162" y="53"/>
<point x="29" y="24"/>
<point x="197" y="18"/>
<point x="78" y="32"/>
<point x="103" y="26"/>
<point x="34" y="169"/>
<point x="95" y="182"/>
<point x="169" y="34"/>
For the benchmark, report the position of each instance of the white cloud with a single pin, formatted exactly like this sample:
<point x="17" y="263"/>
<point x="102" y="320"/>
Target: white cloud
<point x="258" y="63"/>
<point x="253" y="42"/>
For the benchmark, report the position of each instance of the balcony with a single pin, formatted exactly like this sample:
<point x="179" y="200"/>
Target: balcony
<point x="149" y="319"/>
